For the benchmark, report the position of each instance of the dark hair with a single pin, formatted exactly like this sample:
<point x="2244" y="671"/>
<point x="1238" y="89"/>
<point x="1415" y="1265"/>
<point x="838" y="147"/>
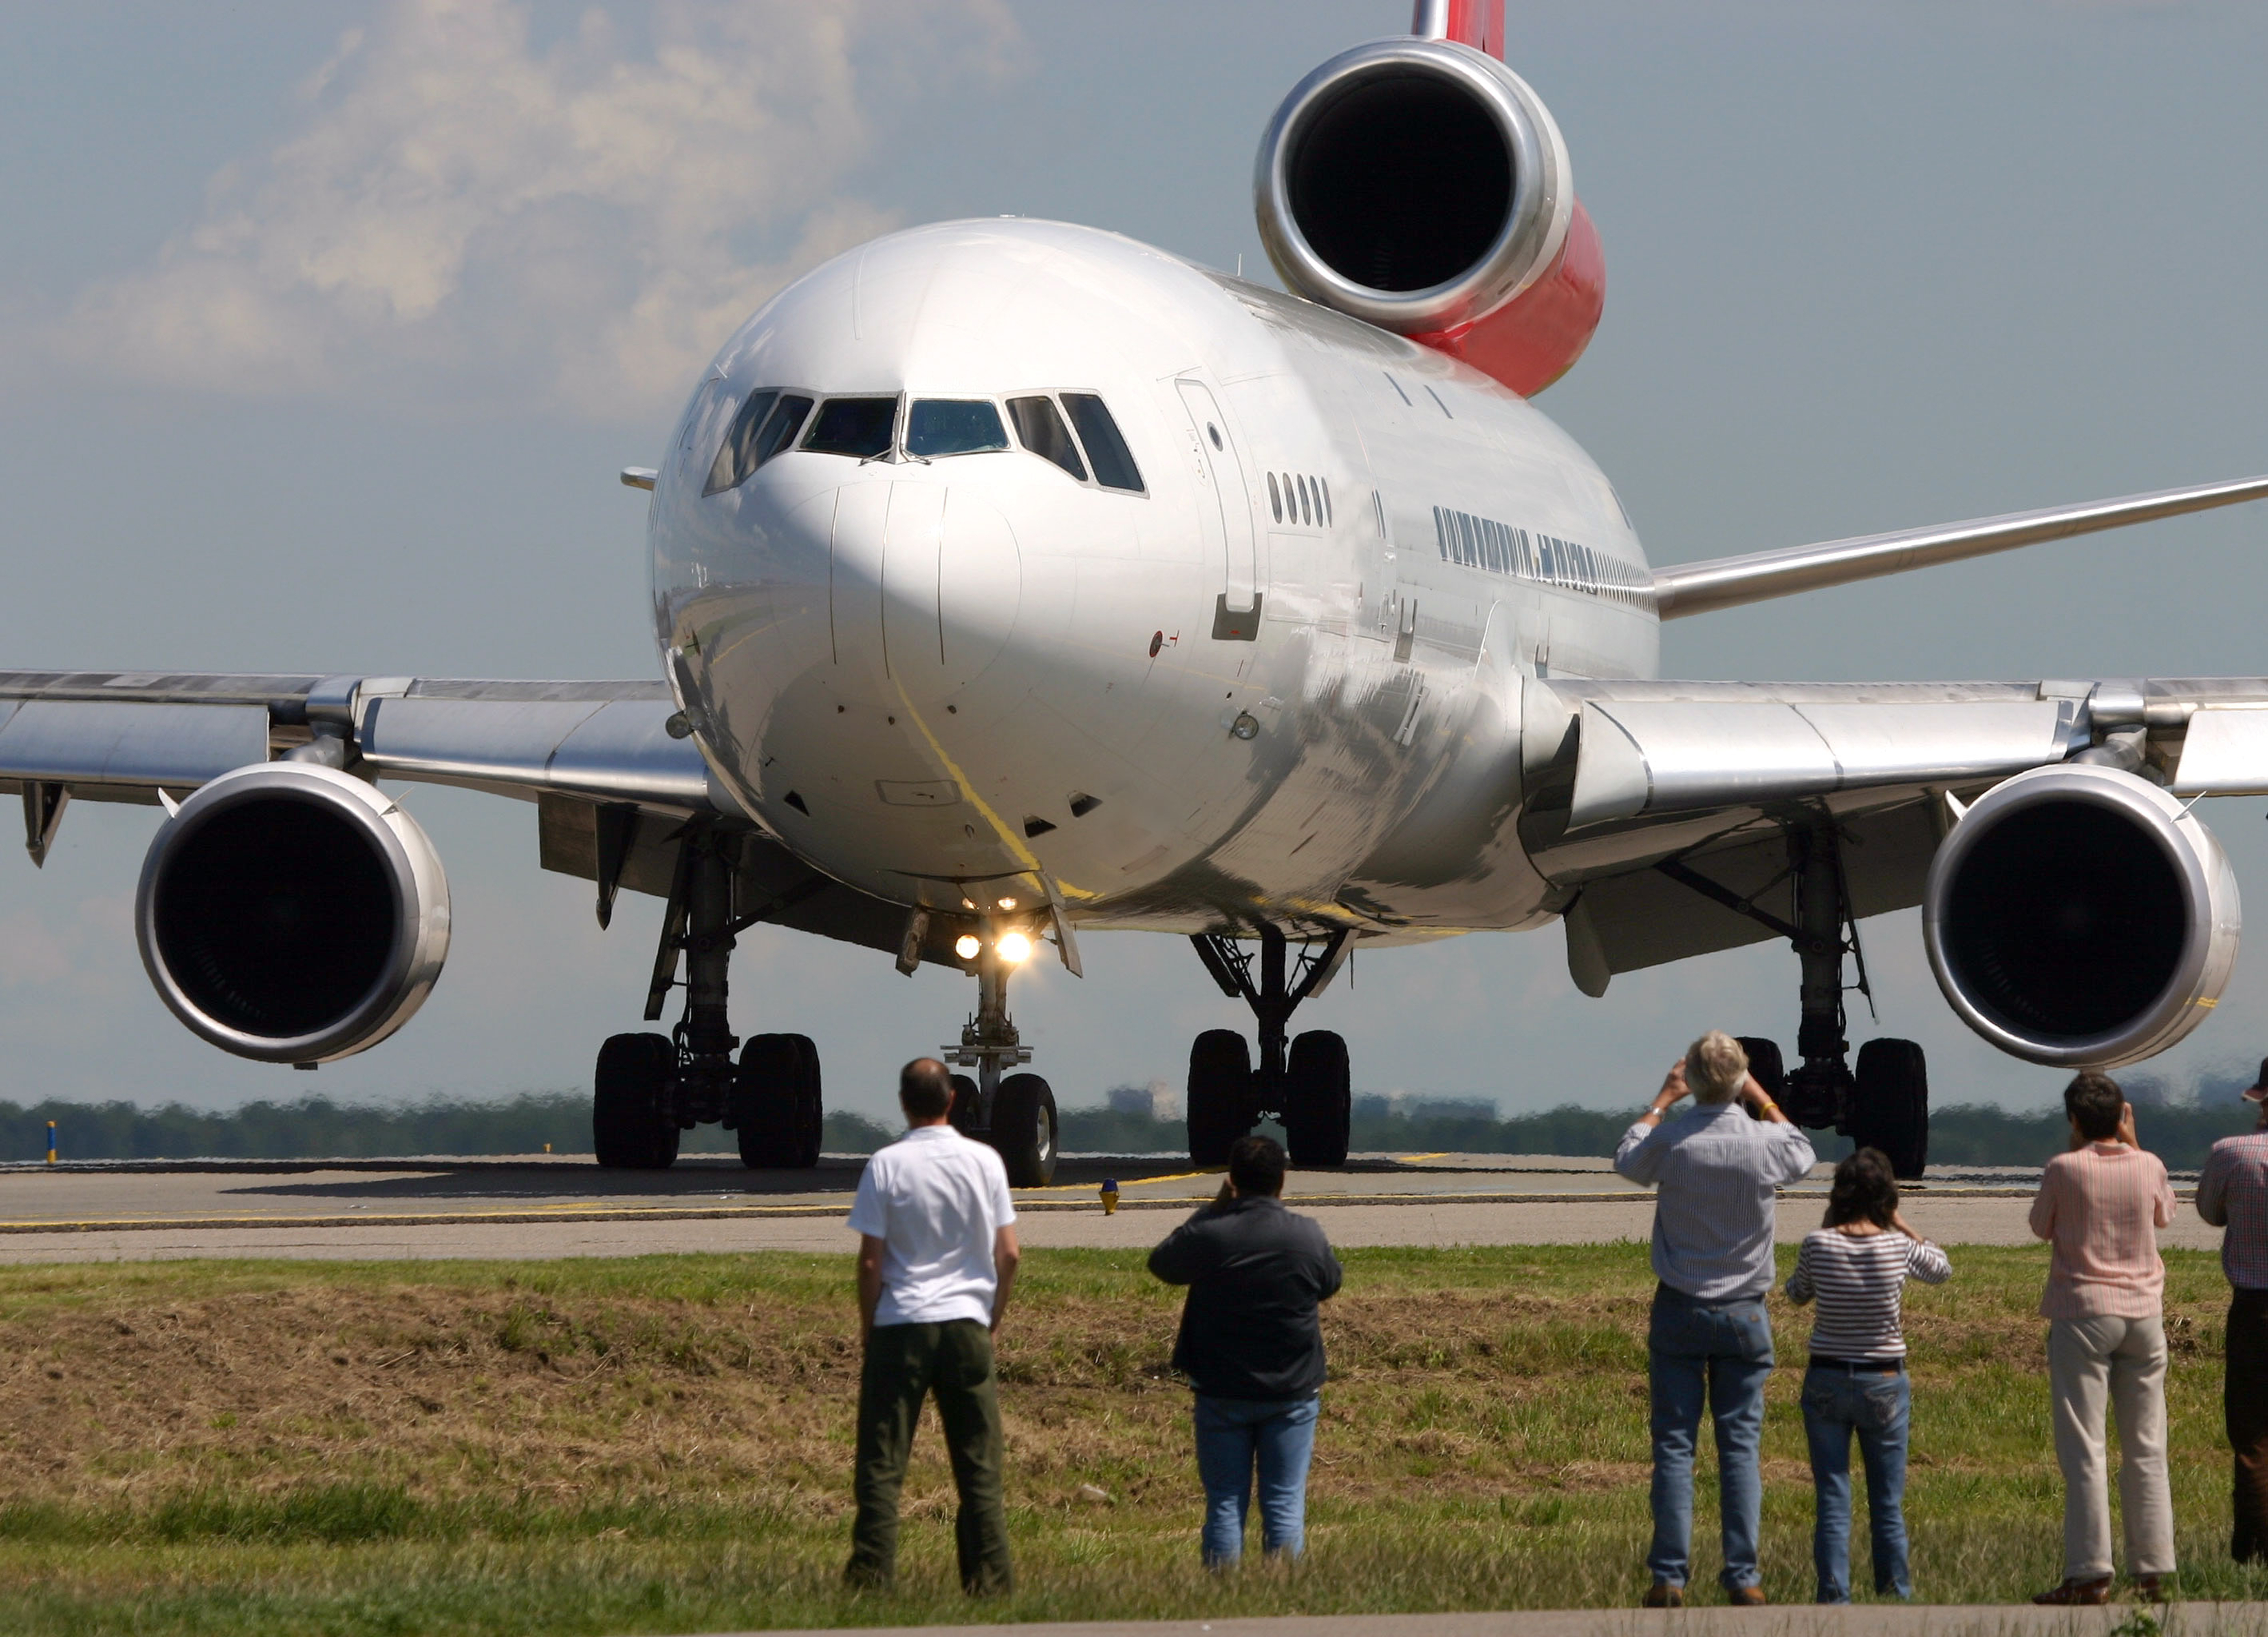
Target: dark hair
<point x="2095" y="1103"/>
<point x="925" y="1089"/>
<point x="1256" y="1165"/>
<point x="1864" y="1189"/>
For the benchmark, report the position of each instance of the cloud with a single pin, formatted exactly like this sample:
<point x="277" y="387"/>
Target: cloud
<point x="461" y="213"/>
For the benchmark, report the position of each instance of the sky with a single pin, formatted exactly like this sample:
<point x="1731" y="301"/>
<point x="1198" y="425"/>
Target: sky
<point x="325" y="327"/>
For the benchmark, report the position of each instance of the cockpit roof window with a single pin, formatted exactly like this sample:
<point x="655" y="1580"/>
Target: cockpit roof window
<point x="943" y="426"/>
<point x="766" y="425"/>
<point x="1106" y="447"/>
<point x="855" y="426"/>
<point x="1040" y="428"/>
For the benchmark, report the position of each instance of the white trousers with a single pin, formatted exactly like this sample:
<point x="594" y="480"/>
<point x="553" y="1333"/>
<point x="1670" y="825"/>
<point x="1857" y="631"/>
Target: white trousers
<point x="2123" y="1361"/>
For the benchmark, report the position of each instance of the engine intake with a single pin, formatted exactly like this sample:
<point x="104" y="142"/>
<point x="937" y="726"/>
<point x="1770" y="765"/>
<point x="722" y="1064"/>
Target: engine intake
<point x="1421" y="186"/>
<point x="2079" y="917"/>
<point x="291" y="913"/>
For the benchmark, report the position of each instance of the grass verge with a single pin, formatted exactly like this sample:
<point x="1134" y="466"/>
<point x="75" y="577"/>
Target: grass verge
<point x="663" y="1444"/>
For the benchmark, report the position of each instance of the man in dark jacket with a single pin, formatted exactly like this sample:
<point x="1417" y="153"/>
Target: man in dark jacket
<point x="1252" y="1347"/>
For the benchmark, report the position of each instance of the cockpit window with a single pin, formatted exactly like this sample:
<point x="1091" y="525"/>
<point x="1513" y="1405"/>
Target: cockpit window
<point x="1114" y="462"/>
<point x="781" y="427"/>
<point x="736" y="456"/>
<point x="766" y="425"/>
<point x="940" y="426"/>
<point x="857" y="426"/>
<point x="1040" y="428"/>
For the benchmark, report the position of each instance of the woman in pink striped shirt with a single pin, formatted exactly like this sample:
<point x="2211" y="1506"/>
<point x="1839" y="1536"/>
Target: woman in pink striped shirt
<point x="2101" y="1206"/>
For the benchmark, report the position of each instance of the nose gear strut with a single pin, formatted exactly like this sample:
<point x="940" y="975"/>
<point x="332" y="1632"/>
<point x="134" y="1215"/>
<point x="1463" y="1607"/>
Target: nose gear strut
<point x="1015" y="1113"/>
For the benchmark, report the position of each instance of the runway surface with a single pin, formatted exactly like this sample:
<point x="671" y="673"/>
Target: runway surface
<point x="556" y="1205"/>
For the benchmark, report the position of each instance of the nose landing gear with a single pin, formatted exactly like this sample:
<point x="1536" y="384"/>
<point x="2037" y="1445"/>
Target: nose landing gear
<point x="1304" y="1082"/>
<point x="650" y="1088"/>
<point x="1015" y="1113"/>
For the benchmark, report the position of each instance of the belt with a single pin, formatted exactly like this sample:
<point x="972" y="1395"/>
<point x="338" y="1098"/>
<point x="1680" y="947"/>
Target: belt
<point x="1860" y="1367"/>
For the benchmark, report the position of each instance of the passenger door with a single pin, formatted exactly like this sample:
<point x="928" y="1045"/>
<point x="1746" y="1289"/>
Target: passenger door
<point x="1225" y="512"/>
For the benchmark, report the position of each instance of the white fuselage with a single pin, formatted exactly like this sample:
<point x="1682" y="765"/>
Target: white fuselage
<point x="932" y="677"/>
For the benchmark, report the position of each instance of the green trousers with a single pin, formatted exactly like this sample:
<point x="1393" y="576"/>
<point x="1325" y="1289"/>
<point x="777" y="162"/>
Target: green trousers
<point x="904" y="1364"/>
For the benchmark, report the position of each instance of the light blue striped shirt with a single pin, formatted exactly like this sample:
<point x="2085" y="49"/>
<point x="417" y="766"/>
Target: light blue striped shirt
<point x="1718" y="1172"/>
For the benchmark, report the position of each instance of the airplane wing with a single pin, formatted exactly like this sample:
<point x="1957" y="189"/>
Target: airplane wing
<point x="1660" y="806"/>
<point x="1688" y="588"/>
<point x="614" y="776"/>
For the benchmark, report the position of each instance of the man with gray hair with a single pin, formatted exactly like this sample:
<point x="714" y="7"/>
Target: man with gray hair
<point x="1716" y="1172"/>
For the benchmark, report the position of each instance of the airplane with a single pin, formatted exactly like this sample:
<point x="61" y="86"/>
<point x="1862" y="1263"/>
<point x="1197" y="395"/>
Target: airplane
<point x="1013" y="581"/>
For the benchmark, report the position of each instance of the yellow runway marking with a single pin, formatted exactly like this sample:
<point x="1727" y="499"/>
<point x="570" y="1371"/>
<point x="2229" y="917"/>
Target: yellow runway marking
<point x="1139" y="1182"/>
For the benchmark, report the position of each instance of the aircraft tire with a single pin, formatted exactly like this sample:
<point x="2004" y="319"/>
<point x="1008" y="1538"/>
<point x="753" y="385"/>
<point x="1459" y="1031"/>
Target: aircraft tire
<point x="777" y="1113"/>
<point x="1766" y="1063"/>
<point x="1890" y="1107"/>
<point x="1024" y="1130"/>
<point x="1318" y="1097"/>
<point x="1219" y="1095"/>
<point x="630" y="1128"/>
<point x="963" y="1112"/>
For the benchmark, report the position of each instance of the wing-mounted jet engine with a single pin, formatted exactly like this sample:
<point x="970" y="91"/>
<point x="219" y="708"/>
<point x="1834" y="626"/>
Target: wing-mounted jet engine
<point x="1422" y="185"/>
<point x="293" y="913"/>
<point x="2079" y="915"/>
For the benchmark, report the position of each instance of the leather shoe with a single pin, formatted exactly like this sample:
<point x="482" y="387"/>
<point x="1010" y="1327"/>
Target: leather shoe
<point x="2154" y="1588"/>
<point x="2077" y="1592"/>
<point x="1662" y="1595"/>
<point x="1746" y="1596"/>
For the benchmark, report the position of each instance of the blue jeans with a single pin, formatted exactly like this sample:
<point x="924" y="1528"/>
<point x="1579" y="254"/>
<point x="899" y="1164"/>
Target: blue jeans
<point x="1838" y="1401"/>
<point x="1235" y="1434"/>
<point x="1719" y="1352"/>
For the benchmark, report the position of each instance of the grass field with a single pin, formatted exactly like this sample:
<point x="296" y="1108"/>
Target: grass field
<point x="663" y="1444"/>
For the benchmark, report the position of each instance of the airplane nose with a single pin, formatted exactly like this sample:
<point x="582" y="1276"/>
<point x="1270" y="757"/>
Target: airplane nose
<point x="924" y="586"/>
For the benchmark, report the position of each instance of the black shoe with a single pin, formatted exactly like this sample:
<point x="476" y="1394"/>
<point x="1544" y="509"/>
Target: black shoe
<point x="2077" y="1592"/>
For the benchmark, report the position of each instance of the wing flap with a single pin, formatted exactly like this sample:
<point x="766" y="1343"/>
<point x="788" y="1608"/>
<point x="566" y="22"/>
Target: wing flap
<point x="81" y="742"/>
<point x="2224" y="753"/>
<point x="1639" y="758"/>
<point x="612" y="750"/>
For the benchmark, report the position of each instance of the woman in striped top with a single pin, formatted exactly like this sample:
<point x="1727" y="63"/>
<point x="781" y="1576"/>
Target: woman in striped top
<point x="1855" y="1267"/>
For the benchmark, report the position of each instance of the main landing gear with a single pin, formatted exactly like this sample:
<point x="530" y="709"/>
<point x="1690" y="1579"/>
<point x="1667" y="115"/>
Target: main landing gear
<point x="1304" y="1084"/>
<point x="1015" y="1113"/>
<point x="1885" y="1104"/>
<point x="651" y="1088"/>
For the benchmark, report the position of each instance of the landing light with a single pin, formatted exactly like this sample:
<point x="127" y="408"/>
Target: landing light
<point x="965" y="947"/>
<point x="1014" y="948"/>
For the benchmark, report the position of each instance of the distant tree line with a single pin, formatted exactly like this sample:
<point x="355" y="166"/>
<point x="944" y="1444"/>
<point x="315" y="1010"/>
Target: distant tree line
<point x="319" y="1128"/>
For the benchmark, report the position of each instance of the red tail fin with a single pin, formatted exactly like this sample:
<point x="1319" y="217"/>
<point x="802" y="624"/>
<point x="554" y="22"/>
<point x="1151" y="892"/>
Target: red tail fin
<point x="1476" y="23"/>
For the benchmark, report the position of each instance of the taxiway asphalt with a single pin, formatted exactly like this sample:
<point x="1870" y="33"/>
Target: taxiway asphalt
<point x="558" y="1205"/>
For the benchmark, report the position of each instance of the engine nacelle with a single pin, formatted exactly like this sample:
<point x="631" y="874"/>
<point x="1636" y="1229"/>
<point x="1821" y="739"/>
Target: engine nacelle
<point x="291" y="913"/>
<point x="1421" y="186"/>
<point x="2080" y="916"/>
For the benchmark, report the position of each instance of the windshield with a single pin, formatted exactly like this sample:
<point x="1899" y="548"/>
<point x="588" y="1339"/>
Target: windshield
<point x="941" y="426"/>
<point x="859" y="426"/>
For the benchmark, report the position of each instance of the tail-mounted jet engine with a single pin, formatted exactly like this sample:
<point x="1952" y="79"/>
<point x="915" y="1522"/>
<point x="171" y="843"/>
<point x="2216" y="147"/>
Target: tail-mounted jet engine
<point x="1421" y="186"/>
<point x="2079" y="915"/>
<point x="293" y="913"/>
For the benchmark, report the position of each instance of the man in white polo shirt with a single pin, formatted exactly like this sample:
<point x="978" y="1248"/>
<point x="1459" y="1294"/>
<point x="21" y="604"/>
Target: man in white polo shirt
<point x="936" y="1257"/>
